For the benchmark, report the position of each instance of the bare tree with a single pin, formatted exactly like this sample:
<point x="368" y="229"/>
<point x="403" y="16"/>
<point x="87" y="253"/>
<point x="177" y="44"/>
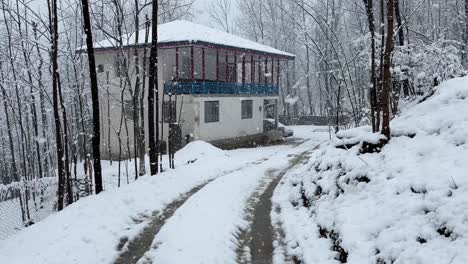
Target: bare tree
<point x="153" y="120"/>
<point x="96" y="140"/>
<point x="53" y="20"/>
<point x="220" y="11"/>
<point x="465" y="37"/>
<point x="387" y="76"/>
<point x="373" y="90"/>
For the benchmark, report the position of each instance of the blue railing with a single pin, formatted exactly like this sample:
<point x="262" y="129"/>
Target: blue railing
<point x="219" y="88"/>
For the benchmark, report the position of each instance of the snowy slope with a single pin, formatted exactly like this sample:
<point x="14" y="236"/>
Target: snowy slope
<point x="406" y="204"/>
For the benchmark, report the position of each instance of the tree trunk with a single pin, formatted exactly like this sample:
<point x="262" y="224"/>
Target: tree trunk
<point x="55" y="98"/>
<point x="373" y="89"/>
<point x="142" y="142"/>
<point x="136" y="92"/>
<point x="401" y="42"/>
<point x="387" y="77"/>
<point x="465" y="40"/>
<point x="96" y="140"/>
<point x="152" y="90"/>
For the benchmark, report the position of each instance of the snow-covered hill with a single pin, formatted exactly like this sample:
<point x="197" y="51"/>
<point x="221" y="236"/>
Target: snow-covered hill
<point x="406" y="204"/>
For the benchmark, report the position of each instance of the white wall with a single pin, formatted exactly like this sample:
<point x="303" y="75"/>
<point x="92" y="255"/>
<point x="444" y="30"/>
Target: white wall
<point x="230" y="124"/>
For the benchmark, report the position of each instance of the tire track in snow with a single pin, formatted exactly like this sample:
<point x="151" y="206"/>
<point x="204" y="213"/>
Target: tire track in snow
<point x="205" y="228"/>
<point x="256" y="242"/>
<point x="135" y="249"/>
<point x="132" y="251"/>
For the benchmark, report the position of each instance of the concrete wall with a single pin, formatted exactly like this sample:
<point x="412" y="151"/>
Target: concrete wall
<point x="230" y="123"/>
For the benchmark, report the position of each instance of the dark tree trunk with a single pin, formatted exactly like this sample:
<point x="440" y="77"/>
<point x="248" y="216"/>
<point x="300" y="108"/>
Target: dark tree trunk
<point x="465" y="39"/>
<point x="152" y="90"/>
<point x="401" y="41"/>
<point x="136" y="92"/>
<point x="55" y="98"/>
<point x="96" y="140"/>
<point x="387" y="77"/>
<point x="373" y="89"/>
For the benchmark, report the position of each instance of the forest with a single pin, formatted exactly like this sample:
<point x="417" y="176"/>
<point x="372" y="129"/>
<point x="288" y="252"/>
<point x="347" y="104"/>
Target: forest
<point x="358" y="63"/>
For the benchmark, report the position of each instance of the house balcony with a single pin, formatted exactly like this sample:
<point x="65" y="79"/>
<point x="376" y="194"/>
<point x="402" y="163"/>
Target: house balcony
<point x="219" y="88"/>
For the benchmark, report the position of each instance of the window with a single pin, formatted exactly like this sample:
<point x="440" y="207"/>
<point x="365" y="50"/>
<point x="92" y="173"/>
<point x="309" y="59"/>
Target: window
<point x="231" y="72"/>
<point x="100" y="68"/>
<point x="211" y="111"/>
<point x="169" y="111"/>
<point x="246" y="109"/>
<point x="120" y="67"/>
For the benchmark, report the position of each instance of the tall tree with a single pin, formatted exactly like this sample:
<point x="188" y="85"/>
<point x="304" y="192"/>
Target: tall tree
<point x="401" y="42"/>
<point x="387" y="76"/>
<point x="96" y="140"/>
<point x="466" y="34"/>
<point x="152" y="90"/>
<point x="53" y="21"/>
<point x="373" y="90"/>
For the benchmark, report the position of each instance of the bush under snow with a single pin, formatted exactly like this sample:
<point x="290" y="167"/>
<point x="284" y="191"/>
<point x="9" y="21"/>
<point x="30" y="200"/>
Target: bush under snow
<point x="406" y="204"/>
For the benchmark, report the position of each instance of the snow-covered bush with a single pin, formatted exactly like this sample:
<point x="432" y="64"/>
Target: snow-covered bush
<point x="426" y="65"/>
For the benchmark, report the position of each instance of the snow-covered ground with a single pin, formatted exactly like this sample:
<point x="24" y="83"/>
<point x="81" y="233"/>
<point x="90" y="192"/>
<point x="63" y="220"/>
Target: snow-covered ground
<point x="406" y="204"/>
<point x="40" y="204"/>
<point x="89" y="230"/>
<point x="204" y="229"/>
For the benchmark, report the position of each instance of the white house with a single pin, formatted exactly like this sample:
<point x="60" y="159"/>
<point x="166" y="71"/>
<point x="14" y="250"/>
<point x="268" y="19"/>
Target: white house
<point x="214" y="86"/>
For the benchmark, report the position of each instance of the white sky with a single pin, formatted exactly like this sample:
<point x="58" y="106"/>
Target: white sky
<point x="199" y="10"/>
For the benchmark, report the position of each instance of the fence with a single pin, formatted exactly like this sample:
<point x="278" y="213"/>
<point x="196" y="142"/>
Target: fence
<point x="24" y="203"/>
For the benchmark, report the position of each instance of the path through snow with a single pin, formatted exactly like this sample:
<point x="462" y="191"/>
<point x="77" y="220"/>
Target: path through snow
<point x="206" y="228"/>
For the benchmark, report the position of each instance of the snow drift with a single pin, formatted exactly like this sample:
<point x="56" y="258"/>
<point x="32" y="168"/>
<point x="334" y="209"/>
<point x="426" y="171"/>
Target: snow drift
<point x="406" y="204"/>
<point x="89" y="230"/>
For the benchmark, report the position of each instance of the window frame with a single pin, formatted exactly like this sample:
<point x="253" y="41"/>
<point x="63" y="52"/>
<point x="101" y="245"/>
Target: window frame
<point x="246" y="109"/>
<point x="208" y="115"/>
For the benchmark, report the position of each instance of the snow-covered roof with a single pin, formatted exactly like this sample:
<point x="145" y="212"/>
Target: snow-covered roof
<point x="180" y="31"/>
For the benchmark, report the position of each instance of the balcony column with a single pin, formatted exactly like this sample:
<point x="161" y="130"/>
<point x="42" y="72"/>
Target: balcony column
<point x="252" y="69"/>
<point x="235" y="67"/>
<point x="217" y="65"/>
<point x="227" y="68"/>
<point x="243" y="69"/>
<point x="266" y="70"/>
<point x="272" y="71"/>
<point x="177" y="64"/>
<point x="192" y="68"/>
<point x="203" y="64"/>
<point x="277" y="72"/>
<point x="259" y="69"/>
